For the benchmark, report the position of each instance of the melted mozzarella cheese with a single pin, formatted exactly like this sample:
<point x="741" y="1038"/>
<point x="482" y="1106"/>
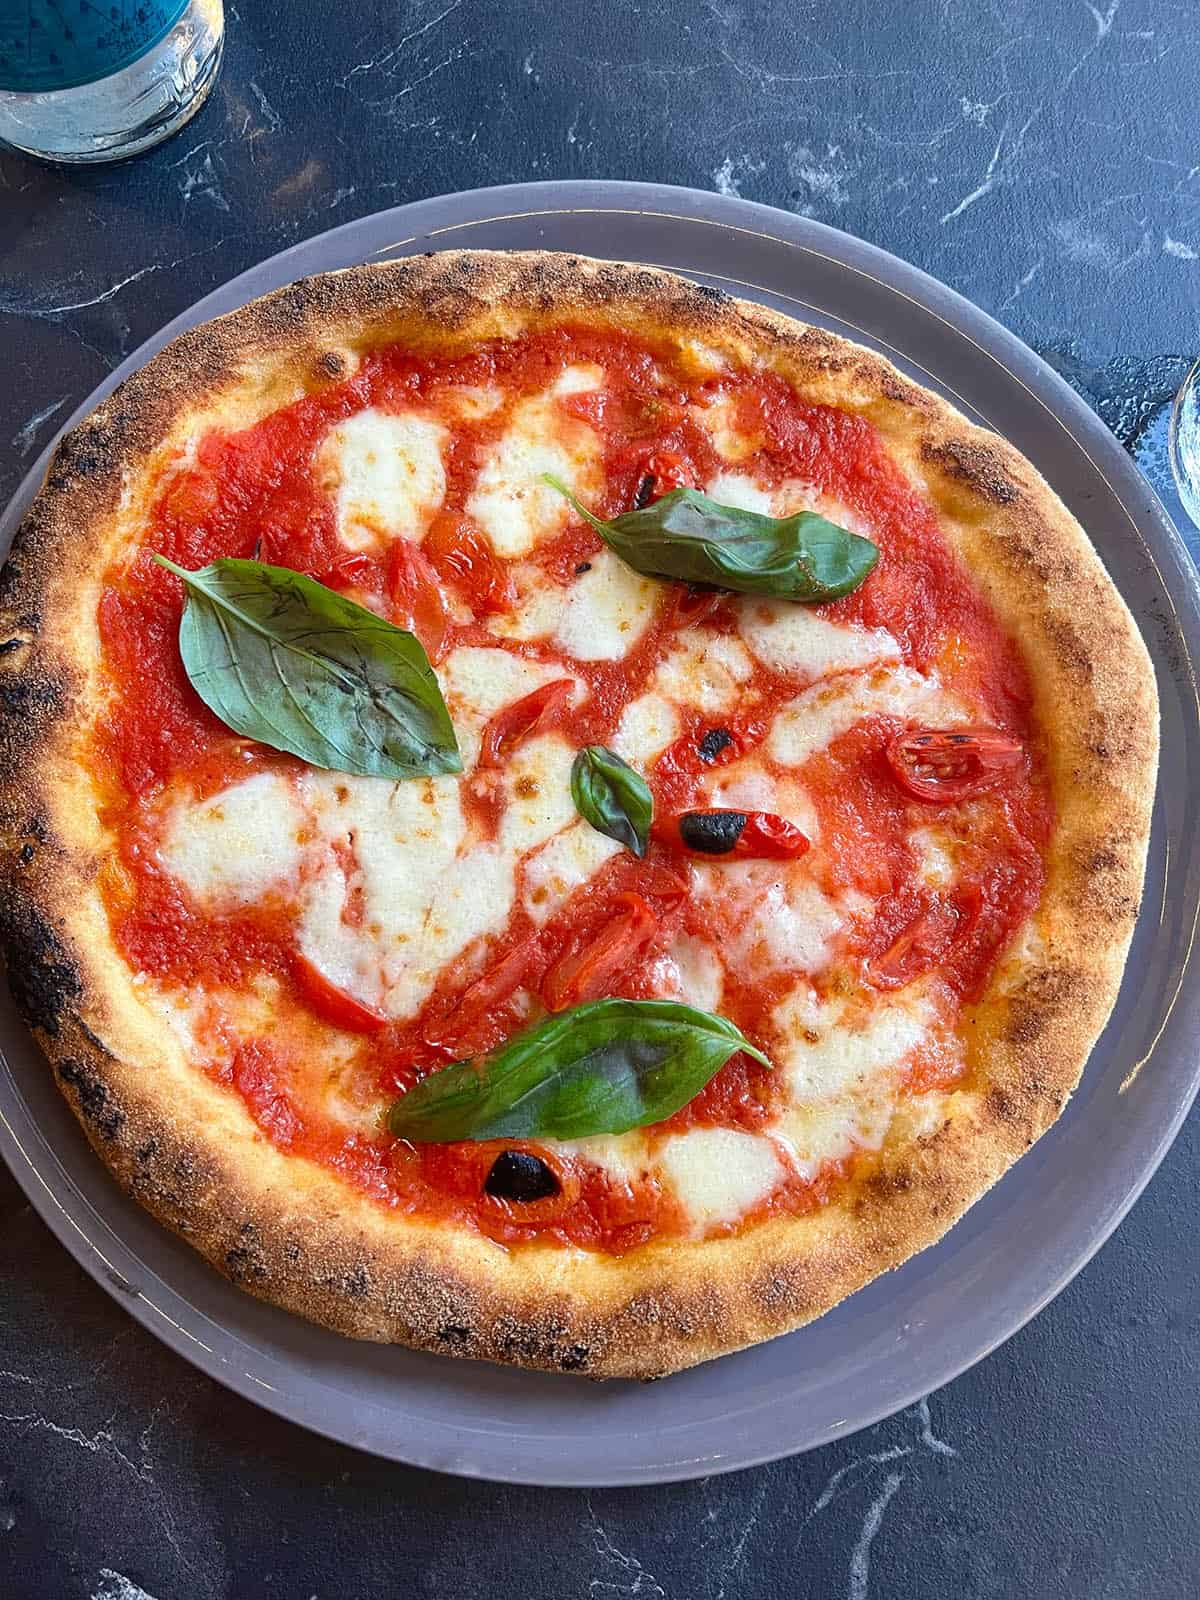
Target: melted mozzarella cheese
<point x="705" y="669"/>
<point x="718" y="1174"/>
<point x="539" y="608"/>
<point x="689" y="970"/>
<point x="770" y="915"/>
<point x="477" y="682"/>
<point x="579" y="379"/>
<point x="387" y="475"/>
<point x="843" y="1079"/>
<point x="509" y="501"/>
<point x="748" y="786"/>
<point x="647" y="726"/>
<point x="793" y="639"/>
<point x="237" y="846"/>
<point x="719" y="419"/>
<point x="568" y="860"/>
<point x="608" y="608"/>
<point x="934" y="850"/>
<point x="828" y="710"/>
<point x="736" y="489"/>
<point x="537" y="788"/>
<point x="414" y="899"/>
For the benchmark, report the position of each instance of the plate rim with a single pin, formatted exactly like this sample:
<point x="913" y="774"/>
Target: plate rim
<point x="963" y="318"/>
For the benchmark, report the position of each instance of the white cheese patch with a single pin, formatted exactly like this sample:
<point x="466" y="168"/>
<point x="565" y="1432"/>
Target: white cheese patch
<point x="647" y="726"/>
<point x="568" y="860"/>
<point x="413" y="900"/>
<point x="769" y="916"/>
<point x="471" y="403"/>
<point x="843" y="1078"/>
<point x="608" y="608"/>
<point x="718" y="1174"/>
<point x="478" y="681"/>
<point x="386" y="473"/>
<point x="718" y="418"/>
<point x="236" y="846"/>
<point x="794" y="639"/>
<point x="826" y="711"/>
<point x="826" y="1056"/>
<point x="537" y="787"/>
<point x="689" y="970"/>
<point x="797" y="495"/>
<point x="622" y="1156"/>
<point x="539" y="607"/>
<point x="579" y="379"/>
<point x="509" y="501"/>
<point x="700" y="359"/>
<point x="934" y="850"/>
<point x="736" y="489"/>
<point x="705" y="669"/>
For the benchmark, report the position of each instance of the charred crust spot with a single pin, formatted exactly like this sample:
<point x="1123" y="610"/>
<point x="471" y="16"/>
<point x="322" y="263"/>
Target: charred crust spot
<point x="242" y="1263"/>
<point x="453" y="1333"/>
<point x="331" y="364"/>
<point x="1002" y="1105"/>
<point x="974" y="465"/>
<point x="43" y="981"/>
<point x="714" y="297"/>
<point x="91" y="1096"/>
<point x="575" y="1359"/>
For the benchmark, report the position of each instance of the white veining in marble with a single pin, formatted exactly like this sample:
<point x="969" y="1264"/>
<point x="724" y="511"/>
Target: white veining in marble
<point x="116" y="1586"/>
<point x="625" y="1573"/>
<point x="860" y="1556"/>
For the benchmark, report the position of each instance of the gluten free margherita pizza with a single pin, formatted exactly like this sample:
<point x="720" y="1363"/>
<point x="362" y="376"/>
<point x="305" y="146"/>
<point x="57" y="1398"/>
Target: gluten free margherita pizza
<point x="553" y="815"/>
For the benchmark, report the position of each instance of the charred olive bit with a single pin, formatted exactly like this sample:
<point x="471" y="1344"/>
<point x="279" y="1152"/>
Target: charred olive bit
<point x="516" y="1175"/>
<point x="713" y="742"/>
<point x="644" y="490"/>
<point x="714" y="832"/>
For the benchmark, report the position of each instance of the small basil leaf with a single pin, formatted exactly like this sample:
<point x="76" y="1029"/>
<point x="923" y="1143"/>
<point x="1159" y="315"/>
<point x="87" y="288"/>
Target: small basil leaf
<point x="614" y="798"/>
<point x="693" y="539"/>
<point x="603" y="1067"/>
<point x="286" y="661"/>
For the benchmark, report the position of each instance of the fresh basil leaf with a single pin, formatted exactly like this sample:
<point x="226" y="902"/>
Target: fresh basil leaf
<point x="286" y="661"/>
<point x="693" y="539"/>
<point x="603" y="1067"/>
<point x="614" y="798"/>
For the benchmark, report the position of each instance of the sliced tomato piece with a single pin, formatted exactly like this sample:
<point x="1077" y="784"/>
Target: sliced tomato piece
<point x="695" y="604"/>
<point x="333" y="1004"/>
<point x="949" y="764"/>
<point x="719" y="831"/>
<point x="511" y="724"/>
<point x="922" y="945"/>
<point x="461" y="554"/>
<point x="597" y="957"/>
<point x="356" y="571"/>
<point x="417" y="597"/>
<point x="476" y="1021"/>
<point x="662" y="472"/>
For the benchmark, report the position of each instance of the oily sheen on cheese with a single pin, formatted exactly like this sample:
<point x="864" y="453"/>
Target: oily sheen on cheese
<point x="363" y="918"/>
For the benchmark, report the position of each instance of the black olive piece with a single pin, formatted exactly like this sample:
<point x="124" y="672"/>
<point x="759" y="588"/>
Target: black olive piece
<point x="516" y="1175"/>
<point x="584" y="566"/>
<point x="713" y="742"/>
<point x="714" y="832"/>
<point x="644" y="490"/>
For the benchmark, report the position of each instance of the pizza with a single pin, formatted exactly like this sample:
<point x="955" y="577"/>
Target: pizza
<point x="552" y="815"/>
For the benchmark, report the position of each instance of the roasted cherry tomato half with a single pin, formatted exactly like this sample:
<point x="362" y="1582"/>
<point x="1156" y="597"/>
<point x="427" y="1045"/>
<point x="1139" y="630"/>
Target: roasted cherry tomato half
<point x="417" y="597"/>
<point x="511" y="724"/>
<point x="461" y="553"/>
<point x="333" y="1004"/>
<point x="718" y="831"/>
<point x="919" y="947"/>
<point x="599" y="956"/>
<point x="949" y="764"/>
<point x="660" y="473"/>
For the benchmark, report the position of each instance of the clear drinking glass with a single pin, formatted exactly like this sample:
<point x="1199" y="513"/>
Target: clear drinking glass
<point x="98" y="82"/>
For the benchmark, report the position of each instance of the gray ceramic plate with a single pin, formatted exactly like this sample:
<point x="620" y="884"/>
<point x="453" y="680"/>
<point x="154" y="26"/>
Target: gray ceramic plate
<point x="907" y="1333"/>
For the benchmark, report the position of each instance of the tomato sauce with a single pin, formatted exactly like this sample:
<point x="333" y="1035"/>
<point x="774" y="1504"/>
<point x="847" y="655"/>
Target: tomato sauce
<point x="258" y="492"/>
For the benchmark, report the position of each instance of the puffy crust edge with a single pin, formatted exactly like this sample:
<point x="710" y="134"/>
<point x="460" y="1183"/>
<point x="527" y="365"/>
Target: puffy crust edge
<point x="293" y="1233"/>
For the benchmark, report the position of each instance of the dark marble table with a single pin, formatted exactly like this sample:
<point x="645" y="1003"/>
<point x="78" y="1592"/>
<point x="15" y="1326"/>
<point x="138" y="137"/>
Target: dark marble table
<point x="1043" y="156"/>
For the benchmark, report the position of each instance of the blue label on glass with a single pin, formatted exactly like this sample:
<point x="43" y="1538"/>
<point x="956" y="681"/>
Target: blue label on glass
<point x="59" y="44"/>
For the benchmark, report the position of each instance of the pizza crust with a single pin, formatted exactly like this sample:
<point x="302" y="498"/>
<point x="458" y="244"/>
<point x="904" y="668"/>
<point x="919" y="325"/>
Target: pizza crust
<point x="289" y="1230"/>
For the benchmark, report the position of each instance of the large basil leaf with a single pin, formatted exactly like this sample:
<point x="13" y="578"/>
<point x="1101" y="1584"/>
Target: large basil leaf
<point x="286" y="661"/>
<point x="614" y="798"/>
<point x="693" y="539"/>
<point x="603" y="1067"/>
